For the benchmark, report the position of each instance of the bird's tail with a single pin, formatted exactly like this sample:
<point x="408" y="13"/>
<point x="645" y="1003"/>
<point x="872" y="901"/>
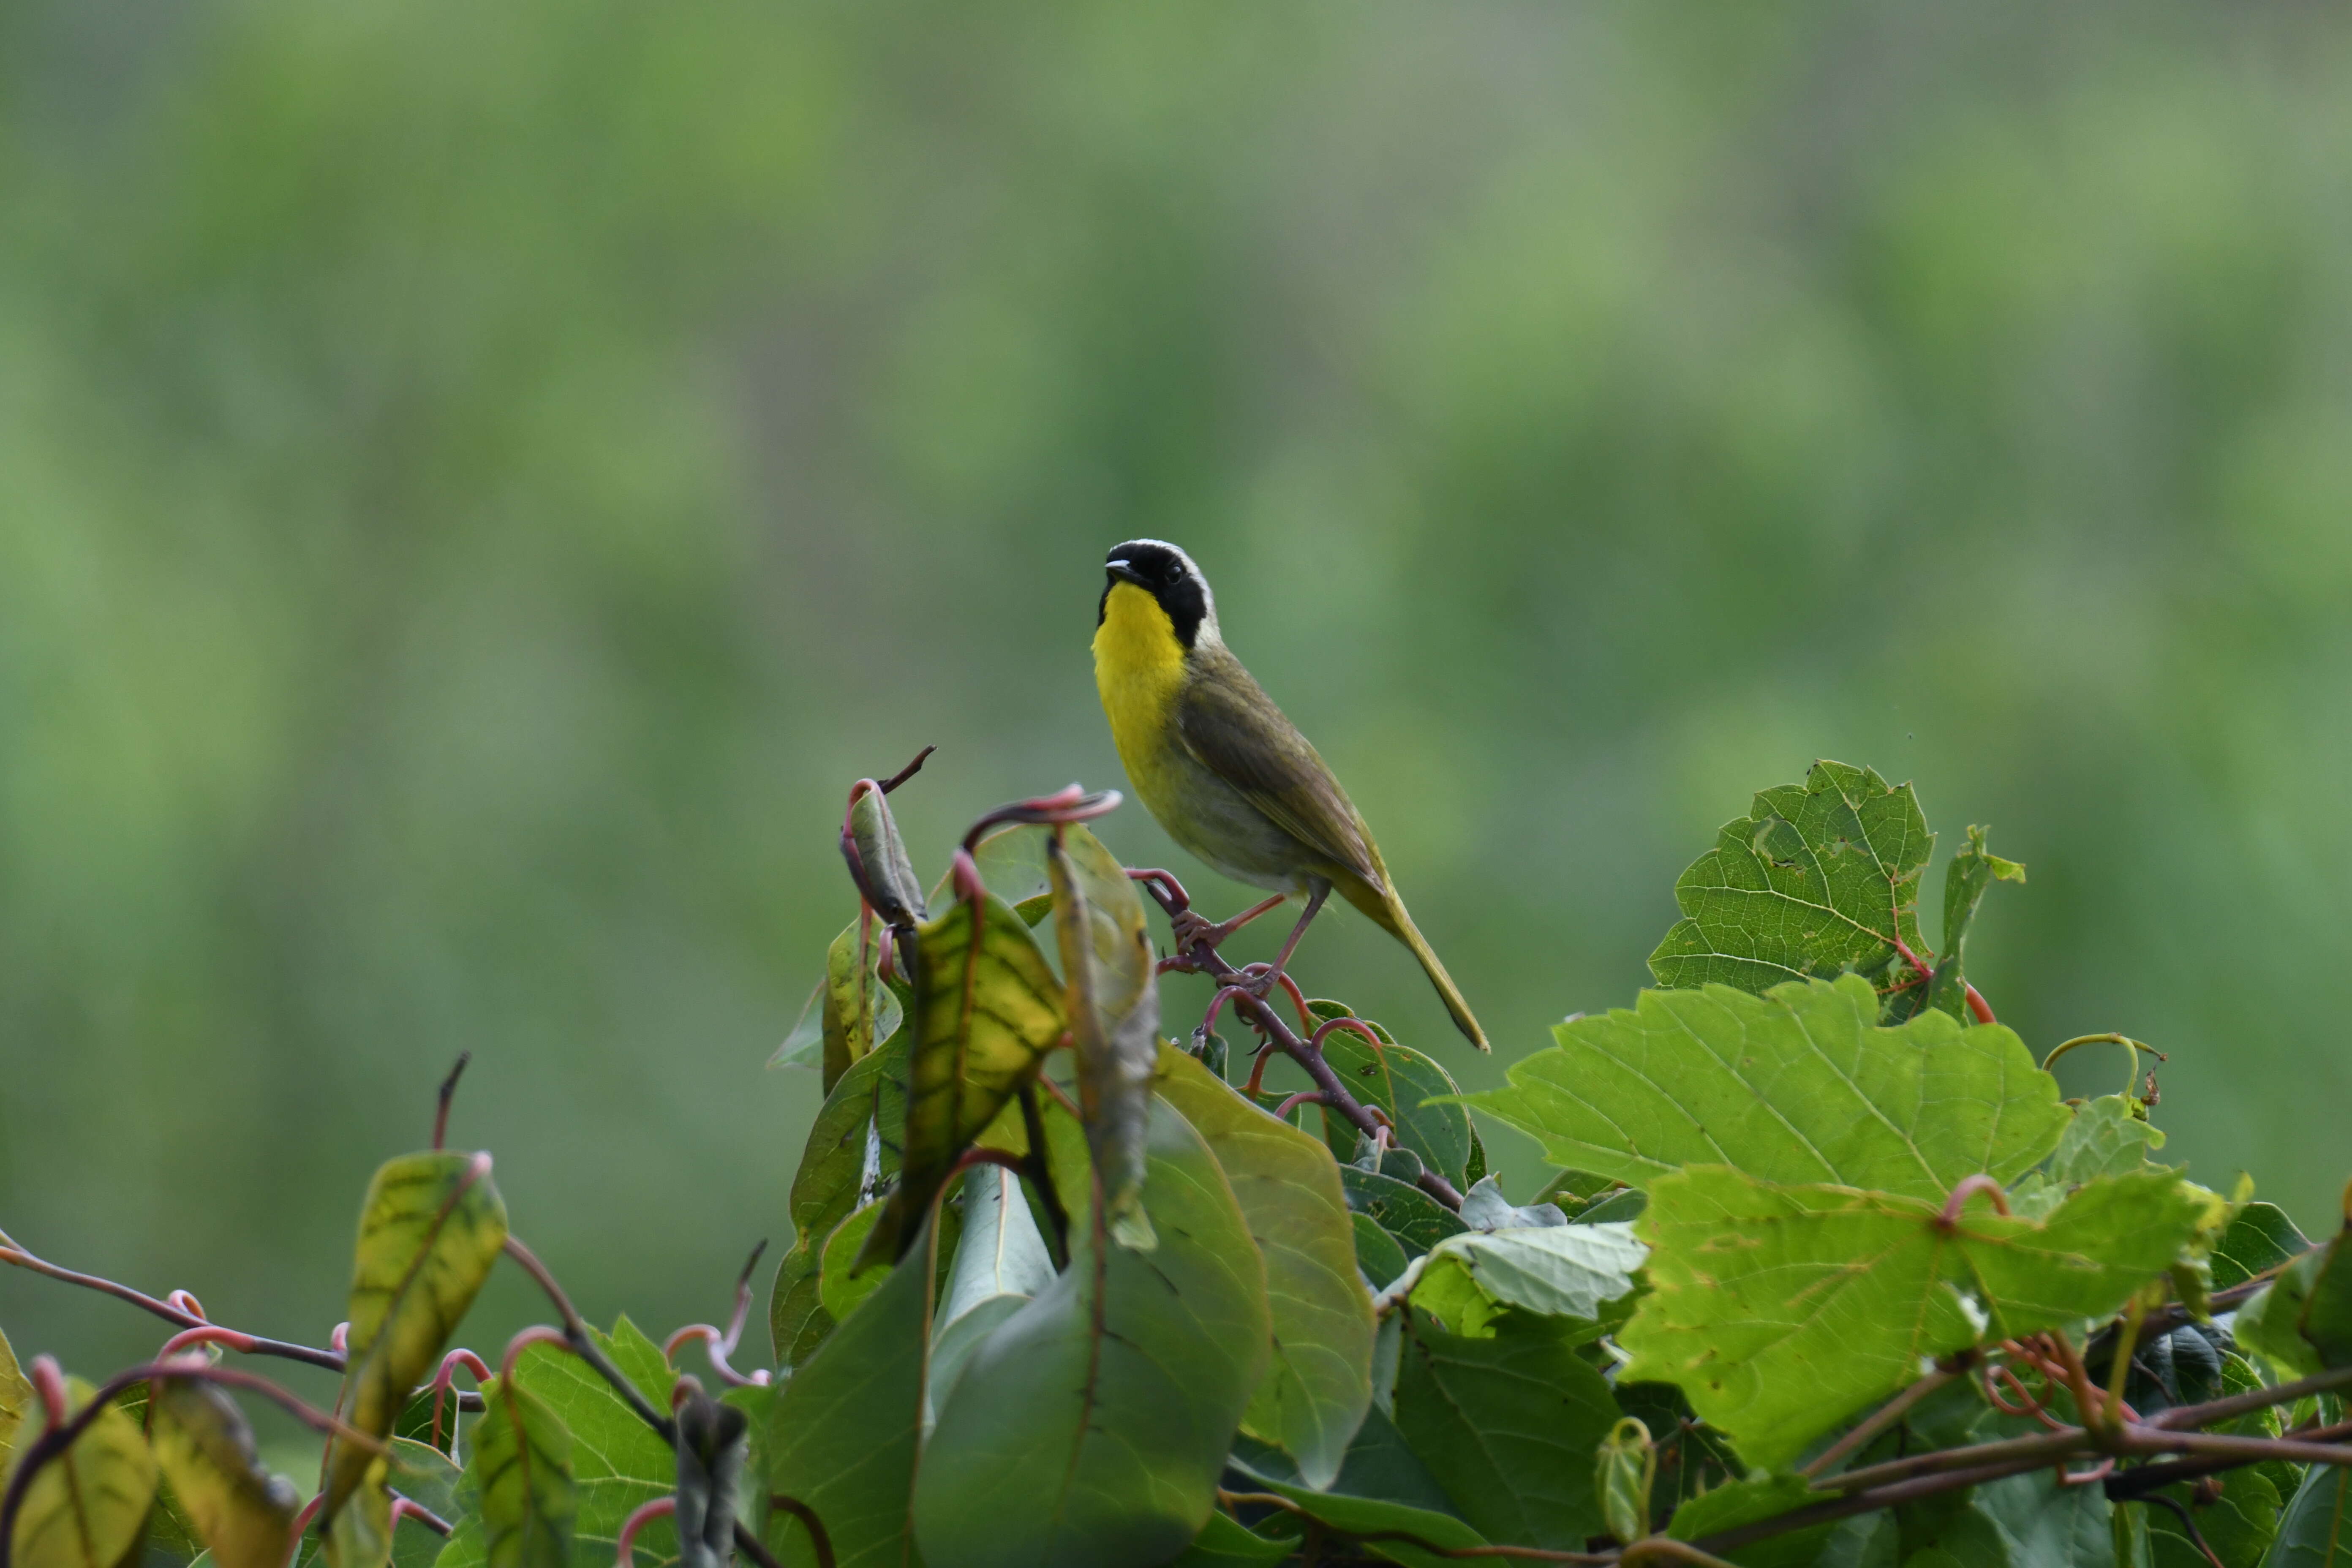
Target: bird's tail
<point x="1388" y="912"/>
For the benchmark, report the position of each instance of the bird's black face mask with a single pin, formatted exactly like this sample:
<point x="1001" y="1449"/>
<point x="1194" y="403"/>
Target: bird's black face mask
<point x="1163" y="573"/>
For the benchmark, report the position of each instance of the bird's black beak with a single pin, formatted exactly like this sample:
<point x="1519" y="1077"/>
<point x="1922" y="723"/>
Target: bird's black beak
<point x="1120" y="571"/>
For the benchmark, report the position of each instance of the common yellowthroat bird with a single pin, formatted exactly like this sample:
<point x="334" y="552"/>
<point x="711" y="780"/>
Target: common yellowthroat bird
<point x="1228" y="776"/>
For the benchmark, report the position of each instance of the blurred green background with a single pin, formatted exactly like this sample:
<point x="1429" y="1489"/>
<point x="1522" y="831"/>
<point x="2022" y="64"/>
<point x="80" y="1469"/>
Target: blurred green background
<point x="477" y="483"/>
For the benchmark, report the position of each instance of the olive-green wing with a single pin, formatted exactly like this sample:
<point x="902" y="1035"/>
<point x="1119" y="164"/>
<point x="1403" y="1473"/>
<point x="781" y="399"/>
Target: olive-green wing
<point x="1225" y="720"/>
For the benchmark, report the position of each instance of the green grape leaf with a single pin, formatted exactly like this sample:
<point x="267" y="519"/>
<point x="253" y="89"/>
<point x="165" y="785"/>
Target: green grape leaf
<point x="865" y="1113"/>
<point x="1801" y="1085"/>
<point x="1508" y="1426"/>
<point x="1555" y="1271"/>
<point x="520" y="1478"/>
<point x="1818" y="879"/>
<point x="2239" y="1525"/>
<point x="872" y="837"/>
<point x="425" y="1476"/>
<point x="841" y="1435"/>
<point x="1405" y="1086"/>
<point x="2301" y="1321"/>
<point x="240" y="1510"/>
<point x="2104" y="1139"/>
<point x="839" y="1285"/>
<point x="1092" y="1425"/>
<point x="1971" y="871"/>
<point x="1112" y="1000"/>
<point x="16" y="1401"/>
<point x="2259" y="1237"/>
<point x="1780" y="1310"/>
<point x="2315" y="1531"/>
<point x="617" y="1461"/>
<point x="1319" y="1384"/>
<point x="429" y="1230"/>
<point x="987" y="1009"/>
<point x="86" y="1508"/>
<point x="2024" y="1521"/>
<point x="1413" y="1219"/>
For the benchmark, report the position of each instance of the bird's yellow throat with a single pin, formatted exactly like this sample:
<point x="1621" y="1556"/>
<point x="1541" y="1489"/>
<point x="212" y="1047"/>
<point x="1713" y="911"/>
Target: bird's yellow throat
<point x="1138" y="668"/>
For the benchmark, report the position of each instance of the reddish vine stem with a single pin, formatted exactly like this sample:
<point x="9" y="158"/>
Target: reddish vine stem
<point x="178" y="1316"/>
<point x="1199" y="959"/>
<point x="718" y="1345"/>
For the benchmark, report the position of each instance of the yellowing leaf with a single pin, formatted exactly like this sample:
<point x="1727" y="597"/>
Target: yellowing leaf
<point x="1113" y="1005"/>
<point x="430" y="1229"/>
<point x="860" y="1011"/>
<point x="520" y="1475"/>
<point x="16" y="1398"/>
<point x="85" y="1508"/>
<point x="240" y="1511"/>
<point x="1780" y="1310"/>
<point x="987" y="1009"/>
<point x="1801" y="1085"/>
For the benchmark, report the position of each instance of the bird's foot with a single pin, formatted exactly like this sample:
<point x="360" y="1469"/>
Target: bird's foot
<point x="1192" y="930"/>
<point x="1260" y="979"/>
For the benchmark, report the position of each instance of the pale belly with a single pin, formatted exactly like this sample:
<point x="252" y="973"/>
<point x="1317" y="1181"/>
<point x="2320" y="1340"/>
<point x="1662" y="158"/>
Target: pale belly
<point x="1215" y="821"/>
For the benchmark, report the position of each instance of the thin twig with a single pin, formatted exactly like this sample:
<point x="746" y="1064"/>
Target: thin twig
<point x="1887" y="1415"/>
<point x="818" y="1539"/>
<point x="909" y="771"/>
<point x="583" y="1344"/>
<point x="448" y="1089"/>
<point x="1262" y="1016"/>
<point x="177" y="1316"/>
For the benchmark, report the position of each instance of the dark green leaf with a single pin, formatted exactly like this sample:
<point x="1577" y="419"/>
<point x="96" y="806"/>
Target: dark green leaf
<point x="520" y="1478"/>
<point x="1092" y="1425"/>
<point x="839" y="1285"/>
<point x="430" y="1229"/>
<point x="240" y="1510"/>
<point x="1416" y="1221"/>
<point x="841" y="1435"/>
<point x="1802" y="1085"/>
<point x="85" y="1508"/>
<point x="1508" y="1426"/>
<point x="987" y="1009"/>
<point x="1113" y="1003"/>
<point x="2301" y="1321"/>
<point x="1819" y="878"/>
<point x="1319" y="1383"/>
<point x="2239" y="1525"/>
<point x="2259" y="1237"/>
<point x="1972" y="870"/>
<point x="1753" y="1500"/>
<point x="1398" y="1080"/>
<point x="2028" y="1522"/>
<point x="2316" y="1530"/>
<point x="1780" y="1310"/>
<point x="425" y="1476"/>
<point x="864" y="1116"/>
<point x="1368" y="1519"/>
<point x="1221" y="1543"/>
<point x="1377" y="1254"/>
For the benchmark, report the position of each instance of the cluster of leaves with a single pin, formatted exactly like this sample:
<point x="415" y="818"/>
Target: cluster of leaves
<point x="1828" y="1272"/>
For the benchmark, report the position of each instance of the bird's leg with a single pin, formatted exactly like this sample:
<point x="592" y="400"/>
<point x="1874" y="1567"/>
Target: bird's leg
<point x="1262" y="976"/>
<point x="1190" y="930"/>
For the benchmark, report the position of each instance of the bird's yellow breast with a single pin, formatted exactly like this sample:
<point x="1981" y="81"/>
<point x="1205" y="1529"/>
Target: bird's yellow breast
<point x="1139" y="669"/>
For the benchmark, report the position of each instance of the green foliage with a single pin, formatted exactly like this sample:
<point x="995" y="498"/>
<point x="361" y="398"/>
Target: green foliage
<point x="1801" y="1085"/>
<point x="1155" y="1324"/>
<point x="1817" y="880"/>
<point x="85" y="1508"/>
<point x="1092" y="1425"/>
